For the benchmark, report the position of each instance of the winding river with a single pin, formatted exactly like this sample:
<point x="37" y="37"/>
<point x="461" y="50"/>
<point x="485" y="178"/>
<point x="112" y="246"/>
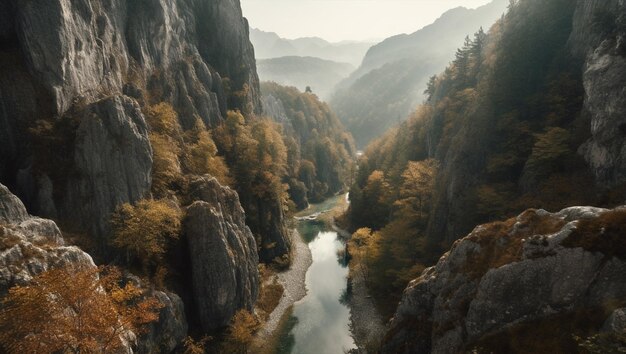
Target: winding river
<point x="320" y="322"/>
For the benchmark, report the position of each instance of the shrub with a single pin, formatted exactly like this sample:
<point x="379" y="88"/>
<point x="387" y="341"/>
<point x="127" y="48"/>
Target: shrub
<point x="605" y="234"/>
<point x="144" y="230"/>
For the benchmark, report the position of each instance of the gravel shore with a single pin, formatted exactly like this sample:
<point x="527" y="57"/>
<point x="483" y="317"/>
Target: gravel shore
<point x="293" y="281"/>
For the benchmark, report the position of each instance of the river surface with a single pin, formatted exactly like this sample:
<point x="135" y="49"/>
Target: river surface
<point x="319" y="323"/>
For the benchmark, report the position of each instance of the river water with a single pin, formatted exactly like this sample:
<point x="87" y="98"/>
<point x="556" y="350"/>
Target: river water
<point x="319" y="323"/>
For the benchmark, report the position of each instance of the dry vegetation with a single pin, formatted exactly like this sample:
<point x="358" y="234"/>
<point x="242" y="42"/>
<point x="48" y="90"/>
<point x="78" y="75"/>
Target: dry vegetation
<point x="91" y="313"/>
<point x="605" y="234"/>
<point x="502" y="244"/>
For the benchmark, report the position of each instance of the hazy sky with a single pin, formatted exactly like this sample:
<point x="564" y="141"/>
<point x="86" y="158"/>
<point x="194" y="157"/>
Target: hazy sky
<point x="337" y="20"/>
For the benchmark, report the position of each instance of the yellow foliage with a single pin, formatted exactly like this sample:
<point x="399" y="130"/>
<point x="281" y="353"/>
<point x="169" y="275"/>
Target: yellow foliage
<point x="165" y="165"/>
<point x="144" y="229"/>
<point x="196" y="347"/>
<point x="163" y="119"/>
<point x="67" y="311"/>
<point x="202" y="156"/>
<point x="241" y="332"/>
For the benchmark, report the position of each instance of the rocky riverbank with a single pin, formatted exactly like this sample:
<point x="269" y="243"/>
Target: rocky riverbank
<point x="293" y="282"/>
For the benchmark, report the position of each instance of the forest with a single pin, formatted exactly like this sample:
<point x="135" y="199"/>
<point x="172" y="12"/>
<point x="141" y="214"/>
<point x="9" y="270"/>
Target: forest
<point x="499" y="133"/>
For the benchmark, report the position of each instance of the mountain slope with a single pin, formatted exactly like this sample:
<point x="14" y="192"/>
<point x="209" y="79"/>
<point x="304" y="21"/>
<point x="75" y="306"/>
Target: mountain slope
<point x="394" y="73"/>
<point x="509" y="125"/>
<point x="324" y="159"/>
<point x="318" y="74"/>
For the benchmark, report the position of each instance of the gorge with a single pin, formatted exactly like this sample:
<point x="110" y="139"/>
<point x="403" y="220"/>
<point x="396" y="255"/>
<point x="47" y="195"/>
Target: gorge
<point x="154" y="194"/>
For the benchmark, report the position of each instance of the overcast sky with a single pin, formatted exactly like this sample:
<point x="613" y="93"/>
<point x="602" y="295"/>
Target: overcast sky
<point x="337" y="20"/>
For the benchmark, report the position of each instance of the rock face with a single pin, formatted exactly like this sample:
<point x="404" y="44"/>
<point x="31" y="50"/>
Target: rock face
<point x="605" y="85"/>
<point x="222" y="252"/>
<point x="30" y="245"/>
<point x="540" y="271"/>
<point x="165" y="335"/>
<point x="113" y="159"/>
<point x="93" y="61"/>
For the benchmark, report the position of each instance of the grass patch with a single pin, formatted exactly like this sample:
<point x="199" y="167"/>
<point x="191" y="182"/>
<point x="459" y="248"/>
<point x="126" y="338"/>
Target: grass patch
<point x="605" y="234"/>
<point x="501" y="244"/>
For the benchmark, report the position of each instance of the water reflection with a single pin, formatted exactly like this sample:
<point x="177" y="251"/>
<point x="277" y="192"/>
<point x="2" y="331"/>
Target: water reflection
<point x="320" y="322"/>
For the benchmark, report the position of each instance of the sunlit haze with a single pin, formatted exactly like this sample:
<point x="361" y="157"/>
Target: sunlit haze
<point x="337" y="20"/>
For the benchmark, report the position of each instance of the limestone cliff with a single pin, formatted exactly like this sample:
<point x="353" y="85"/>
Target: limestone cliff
<point x="222" y="252"/>
<point x="82" y="67"/>
<point x="75" y="79"/>
<point x="522" y="285"/>
<point x="599" y="35"/>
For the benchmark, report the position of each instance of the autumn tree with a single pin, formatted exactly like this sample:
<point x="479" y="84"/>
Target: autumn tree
<point x="74" y="311"/>
<point x="362" y="249"/>
<point x="417" y="186"/>
<point x="241" y="332"/>
<point x="376" y="196"/>
<point x="548" y="153"/>
<point x="145" y="229"/>
<point x="165" y="133"/>
<point x="202" y="154"/>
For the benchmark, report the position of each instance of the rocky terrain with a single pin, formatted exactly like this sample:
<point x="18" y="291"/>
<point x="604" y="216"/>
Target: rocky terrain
<point x="30" y="245"/>
<point x="605" y="87"/>
<point x="523" y="285"/>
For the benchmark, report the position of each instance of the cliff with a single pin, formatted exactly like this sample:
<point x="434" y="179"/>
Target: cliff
<point x="605" y="85"/>
<point x="523" y="285"/>
<point x="222" y="252"/>
<point x="82" y="69"/>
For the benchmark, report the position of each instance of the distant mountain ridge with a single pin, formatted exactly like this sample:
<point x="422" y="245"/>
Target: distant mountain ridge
<point x="447" y="32"/>
<point x="321" y="75"/>
<point x="269" y="45"/>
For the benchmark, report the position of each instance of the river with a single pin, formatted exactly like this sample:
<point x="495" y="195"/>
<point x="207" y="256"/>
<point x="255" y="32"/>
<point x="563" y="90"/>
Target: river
<point x="320" y="322"/>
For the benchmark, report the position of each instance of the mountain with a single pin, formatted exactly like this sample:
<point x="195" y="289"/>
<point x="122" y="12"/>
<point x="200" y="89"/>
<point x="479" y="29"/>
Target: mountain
<point x="528" y="115"/>
<point x="318" y="74"/>
<point x="390" y="82"/>
<point x="269" y="45"/>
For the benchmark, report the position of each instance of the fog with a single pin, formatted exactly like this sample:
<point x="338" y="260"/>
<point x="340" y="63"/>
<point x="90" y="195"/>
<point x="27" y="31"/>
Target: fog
<point x="338" y="20"/>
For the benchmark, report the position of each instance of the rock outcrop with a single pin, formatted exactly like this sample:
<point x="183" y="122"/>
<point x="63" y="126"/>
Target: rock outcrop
<point x="222" y="252"/>
<point x="31" y="245"/>
<point x="168" y="333"/>
<point x="540" y="275"/>
<point x="599" y="36"/>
